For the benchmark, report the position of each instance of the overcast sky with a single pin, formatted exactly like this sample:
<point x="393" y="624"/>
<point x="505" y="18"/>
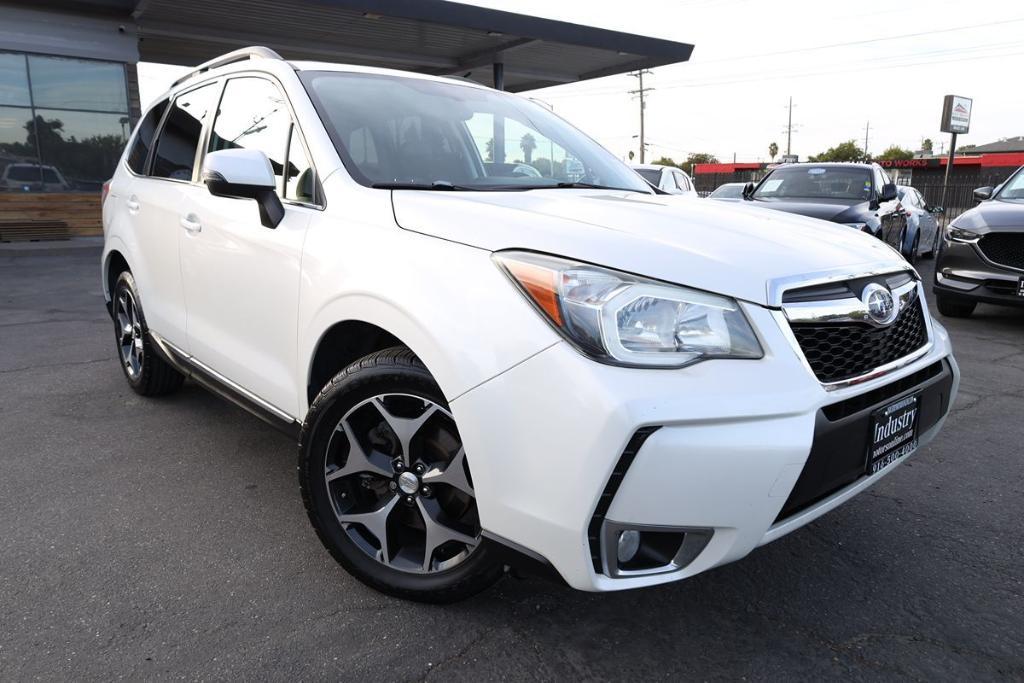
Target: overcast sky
<point x="844" y="64"/>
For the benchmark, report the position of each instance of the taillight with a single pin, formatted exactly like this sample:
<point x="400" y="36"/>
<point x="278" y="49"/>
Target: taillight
<point x="106" y="191"/>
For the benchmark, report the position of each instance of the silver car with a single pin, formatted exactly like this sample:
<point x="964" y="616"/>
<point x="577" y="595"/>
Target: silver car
<point x="922" y="235"/>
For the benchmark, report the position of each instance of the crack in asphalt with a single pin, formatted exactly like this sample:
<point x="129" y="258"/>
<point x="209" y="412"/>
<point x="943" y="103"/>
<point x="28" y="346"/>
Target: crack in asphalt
<point x="56" y="365"/>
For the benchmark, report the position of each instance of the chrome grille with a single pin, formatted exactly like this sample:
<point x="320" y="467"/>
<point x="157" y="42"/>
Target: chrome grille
<point x="838" y="338"/>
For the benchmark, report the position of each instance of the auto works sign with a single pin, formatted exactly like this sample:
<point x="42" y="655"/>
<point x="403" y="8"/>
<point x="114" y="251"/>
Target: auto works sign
<point x="956" y="114"/>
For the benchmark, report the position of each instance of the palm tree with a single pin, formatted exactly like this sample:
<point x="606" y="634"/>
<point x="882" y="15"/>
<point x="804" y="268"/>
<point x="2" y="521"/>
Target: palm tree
<point x="527" y="144"/>
<point x="773" y="149"/>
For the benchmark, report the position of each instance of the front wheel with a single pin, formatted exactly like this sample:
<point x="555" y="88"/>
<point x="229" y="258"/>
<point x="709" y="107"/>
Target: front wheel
<point x="387" y="485"/>
<point x="935" y="244"/>
<point x="911" y="257"/>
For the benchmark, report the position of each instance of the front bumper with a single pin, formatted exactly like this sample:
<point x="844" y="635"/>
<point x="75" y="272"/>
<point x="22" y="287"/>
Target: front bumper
<point x="963" y="273"/>
<point x="732" y="439"/>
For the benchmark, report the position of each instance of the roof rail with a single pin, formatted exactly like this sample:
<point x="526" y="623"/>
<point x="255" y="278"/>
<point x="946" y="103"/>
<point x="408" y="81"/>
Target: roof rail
<point x="255" y="52"/>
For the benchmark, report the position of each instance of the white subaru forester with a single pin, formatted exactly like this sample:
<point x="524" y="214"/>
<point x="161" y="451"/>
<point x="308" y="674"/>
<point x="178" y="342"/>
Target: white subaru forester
<point x="495" y="343"/>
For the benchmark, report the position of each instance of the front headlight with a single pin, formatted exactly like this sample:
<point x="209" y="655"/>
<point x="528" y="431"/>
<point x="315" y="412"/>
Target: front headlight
<point x="623" y="319"/>
<point x="960" y="235"/>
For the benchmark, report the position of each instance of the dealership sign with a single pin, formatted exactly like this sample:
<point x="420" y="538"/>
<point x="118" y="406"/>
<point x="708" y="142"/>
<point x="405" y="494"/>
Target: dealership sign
<point x="956" y="114"/>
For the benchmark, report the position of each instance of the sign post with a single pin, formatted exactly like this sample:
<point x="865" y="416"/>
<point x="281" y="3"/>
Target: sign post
<point x="956" y="119"/>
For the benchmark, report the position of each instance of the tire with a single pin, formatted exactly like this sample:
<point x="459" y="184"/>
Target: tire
<point x="361" y="502"/>
<point x="955" y="308"/>
<point x="935" y="245"/>
<point x="147" y="373"/>
<point x="912" y="256"/>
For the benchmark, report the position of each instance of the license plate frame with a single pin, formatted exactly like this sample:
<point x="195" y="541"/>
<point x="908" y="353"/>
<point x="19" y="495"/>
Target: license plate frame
<point x="893" y="433"/>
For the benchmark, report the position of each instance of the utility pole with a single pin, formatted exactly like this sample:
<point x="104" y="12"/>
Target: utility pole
<point x="789" y="129"/>
<point x="867" y="130"/>
<point x="639" y="75"/>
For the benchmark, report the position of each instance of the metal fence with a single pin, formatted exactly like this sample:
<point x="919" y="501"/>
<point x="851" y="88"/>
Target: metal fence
<point x="959" y="197"/>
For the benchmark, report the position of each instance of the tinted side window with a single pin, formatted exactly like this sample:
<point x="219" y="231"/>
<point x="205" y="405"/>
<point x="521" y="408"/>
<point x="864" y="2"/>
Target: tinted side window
<point x="253" y="115"/>
<point x="179" y="139"/>
<point x="144" y="137"/>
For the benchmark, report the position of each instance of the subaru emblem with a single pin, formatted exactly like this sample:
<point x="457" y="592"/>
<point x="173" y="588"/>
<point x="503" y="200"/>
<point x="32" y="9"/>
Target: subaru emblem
<point x="881" y="306"/>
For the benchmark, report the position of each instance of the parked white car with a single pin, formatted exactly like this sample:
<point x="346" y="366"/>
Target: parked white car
<point x="19" y="177"/>
<point x="667" y="178"/>
<point x="486" y="368"/>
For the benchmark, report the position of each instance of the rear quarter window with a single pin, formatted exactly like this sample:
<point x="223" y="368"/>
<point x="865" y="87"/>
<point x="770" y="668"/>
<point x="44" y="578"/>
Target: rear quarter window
<point x="144" y="138"/>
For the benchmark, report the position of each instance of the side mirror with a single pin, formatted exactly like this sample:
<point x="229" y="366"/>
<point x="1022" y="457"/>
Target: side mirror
<point x="748" y="191"/>
<point x="244" y="174"/>
<point x="888" y="193"/>
<point x="982" y="193"/>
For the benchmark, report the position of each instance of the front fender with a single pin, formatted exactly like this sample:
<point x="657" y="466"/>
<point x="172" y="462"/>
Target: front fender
<point x="449" y="303"/>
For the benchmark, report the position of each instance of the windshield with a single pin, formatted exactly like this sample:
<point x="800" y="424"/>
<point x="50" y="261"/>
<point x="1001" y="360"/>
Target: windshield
<point x="816" y="182"/>
<point x="731" y="191"/>
<point x="1013" y="189"/>
<point x="397" y="130"/>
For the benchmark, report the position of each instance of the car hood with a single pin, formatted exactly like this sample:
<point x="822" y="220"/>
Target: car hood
<point x="836" y="210"/>
<point x="992" y="215"/>
<point x="718" y="247"/>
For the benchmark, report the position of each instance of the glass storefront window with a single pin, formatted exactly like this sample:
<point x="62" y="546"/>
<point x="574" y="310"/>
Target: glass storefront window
<point x="83" y="147"/>
<point x="77" y="84"/>
<point x="13" y="80"/>
<point x="63" y="122"/>
<point x="19" y="157"/>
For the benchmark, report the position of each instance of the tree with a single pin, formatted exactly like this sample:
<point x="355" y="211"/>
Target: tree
<point x="773" y="149"/>
<point x="489" y="150"/>
<point x="895" y="153"/>
<point x="844" y="151"/>
<point x="665" y="161"/>
<point x="926" y="145"/>
<point x="697" y="158"/>
<point x="527" y="143"/>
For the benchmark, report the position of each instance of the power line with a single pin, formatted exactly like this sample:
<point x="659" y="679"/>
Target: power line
<point x="600" y="90"/>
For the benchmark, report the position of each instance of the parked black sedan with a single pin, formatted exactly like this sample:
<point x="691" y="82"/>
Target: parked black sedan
<point x="860" y="196"/>
<point x="982" y="253"/>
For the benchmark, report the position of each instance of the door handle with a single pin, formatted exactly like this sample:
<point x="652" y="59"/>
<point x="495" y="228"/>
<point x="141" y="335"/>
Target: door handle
<point x="133" y="204"/>
<point x="191" y="223"/>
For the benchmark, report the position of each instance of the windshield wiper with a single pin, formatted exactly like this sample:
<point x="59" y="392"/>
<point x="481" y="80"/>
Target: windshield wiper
<point x="578" y="185"/>
<point x="442" y="185"/>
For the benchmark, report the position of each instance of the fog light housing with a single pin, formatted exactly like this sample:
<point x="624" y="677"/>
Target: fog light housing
<point x="628" y="545"/>
<point x="645" y="549"/>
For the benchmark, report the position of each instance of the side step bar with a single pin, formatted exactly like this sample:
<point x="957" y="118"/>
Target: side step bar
<point x="225" y="388"/>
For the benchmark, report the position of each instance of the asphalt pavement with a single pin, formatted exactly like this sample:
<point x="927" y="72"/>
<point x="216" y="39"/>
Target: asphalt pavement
<point x="166" y="538"/>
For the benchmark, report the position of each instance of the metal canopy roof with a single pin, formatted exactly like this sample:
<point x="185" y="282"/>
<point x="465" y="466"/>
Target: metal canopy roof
<point x="427" y="36"/>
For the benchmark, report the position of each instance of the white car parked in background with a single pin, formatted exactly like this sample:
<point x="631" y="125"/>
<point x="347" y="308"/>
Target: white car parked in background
<point x="667" y="178"/>
<point x="486" y="367"/>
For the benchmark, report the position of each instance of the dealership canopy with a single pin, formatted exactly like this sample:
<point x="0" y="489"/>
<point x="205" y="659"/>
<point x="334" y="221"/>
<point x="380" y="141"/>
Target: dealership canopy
<point x="520" y="52"/>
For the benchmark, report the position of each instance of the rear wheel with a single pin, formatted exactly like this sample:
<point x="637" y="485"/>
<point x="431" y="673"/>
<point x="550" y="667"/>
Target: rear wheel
<point x="955" y="308"/>
<point x="146" y="372"/>
<point x="387" y="485"/>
